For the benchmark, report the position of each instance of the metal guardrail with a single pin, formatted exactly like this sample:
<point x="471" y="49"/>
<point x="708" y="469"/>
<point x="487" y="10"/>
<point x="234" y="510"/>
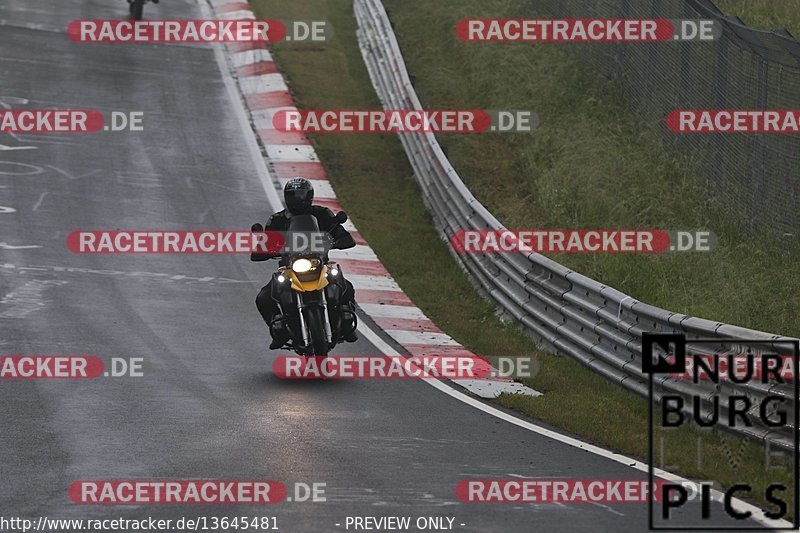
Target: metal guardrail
<point x="567" y="313"/>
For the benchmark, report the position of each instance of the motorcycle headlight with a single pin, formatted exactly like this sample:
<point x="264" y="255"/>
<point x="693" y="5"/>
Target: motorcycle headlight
<point x="302" y="265"/>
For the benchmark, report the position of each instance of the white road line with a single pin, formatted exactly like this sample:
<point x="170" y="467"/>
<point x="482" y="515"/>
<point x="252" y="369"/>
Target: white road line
<point x="33" y="26"/>
<point x="6" y="246"/>
<point x="38" y="203"/>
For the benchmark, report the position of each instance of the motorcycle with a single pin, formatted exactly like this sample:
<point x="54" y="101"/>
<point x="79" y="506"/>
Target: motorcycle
<point x="137" y="8"/>
<point x="310" y="290"/>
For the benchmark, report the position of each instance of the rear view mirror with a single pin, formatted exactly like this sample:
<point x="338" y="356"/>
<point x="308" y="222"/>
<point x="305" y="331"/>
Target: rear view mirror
<point x="341" y="217"/>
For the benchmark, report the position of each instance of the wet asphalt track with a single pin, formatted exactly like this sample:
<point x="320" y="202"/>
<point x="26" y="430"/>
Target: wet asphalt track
<point x="208" y="405"/>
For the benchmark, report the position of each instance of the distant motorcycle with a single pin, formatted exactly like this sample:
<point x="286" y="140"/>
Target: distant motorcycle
<point x="137" y="8"/>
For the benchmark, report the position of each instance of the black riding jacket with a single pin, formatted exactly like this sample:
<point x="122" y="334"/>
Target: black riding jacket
<point x="279" y="221"/>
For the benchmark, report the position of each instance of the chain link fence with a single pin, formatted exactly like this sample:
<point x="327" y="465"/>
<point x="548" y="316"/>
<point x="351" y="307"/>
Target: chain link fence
<point x="754" y="177"/>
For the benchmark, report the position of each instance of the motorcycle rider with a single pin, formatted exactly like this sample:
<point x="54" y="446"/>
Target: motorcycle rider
<point x="298" y="196"/>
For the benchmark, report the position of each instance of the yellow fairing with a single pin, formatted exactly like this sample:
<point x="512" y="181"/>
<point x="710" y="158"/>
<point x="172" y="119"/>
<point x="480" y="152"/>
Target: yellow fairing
<point x="307" y="286"/>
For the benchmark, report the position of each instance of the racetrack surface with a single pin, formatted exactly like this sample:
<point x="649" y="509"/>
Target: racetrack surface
<point x="208" y="405"/>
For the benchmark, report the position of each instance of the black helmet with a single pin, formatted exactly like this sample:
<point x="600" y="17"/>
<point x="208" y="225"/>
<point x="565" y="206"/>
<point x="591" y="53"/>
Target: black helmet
<point x="298" y="195"/>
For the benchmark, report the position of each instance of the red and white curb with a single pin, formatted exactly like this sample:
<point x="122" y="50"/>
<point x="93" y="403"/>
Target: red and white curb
<point x="291" y="154"/>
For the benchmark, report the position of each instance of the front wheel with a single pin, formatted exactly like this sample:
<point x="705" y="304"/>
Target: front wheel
<point x="316" y="328"/>
<point x="137" y="9"/>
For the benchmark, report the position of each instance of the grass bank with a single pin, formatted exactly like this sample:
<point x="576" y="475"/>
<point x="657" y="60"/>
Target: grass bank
<point x="590" y="165"/>
<point x="765" y="14"/>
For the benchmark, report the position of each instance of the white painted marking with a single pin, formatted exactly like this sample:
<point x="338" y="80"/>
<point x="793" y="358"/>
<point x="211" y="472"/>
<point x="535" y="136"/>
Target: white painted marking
<point x="33" y="26"/>
<point x="8" y="101"/>
<point x="421" y="337"/>
<point x="263" y="117"/>
<point x="378" y="283"/>
<point x="7" y="246"/>
<point x="240" y="59"/>
<point x="159" y="276"/>
<point x="4" y="148"/>
<point x="609" y="509"/>
<point x="72" y="177"/>
<point x="26" y="299"/>
<point x="263" y="83"/>
<point x="393" y="311"/>
<point x="6" y="210"/>
<point x="297" y="153"/>
<point x="358" y="252"/>
<point x="237" y="15"/>
<point x="34" y="169"/>
<point x="492" y="388"/>
<point x="38" y="203"/>
<point x="43" y="139"/>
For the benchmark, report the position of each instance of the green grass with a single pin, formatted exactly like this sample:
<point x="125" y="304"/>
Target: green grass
<point x="765" y="14"/>
<point x="590" y="165"/>
<point x="589" y="147"/>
